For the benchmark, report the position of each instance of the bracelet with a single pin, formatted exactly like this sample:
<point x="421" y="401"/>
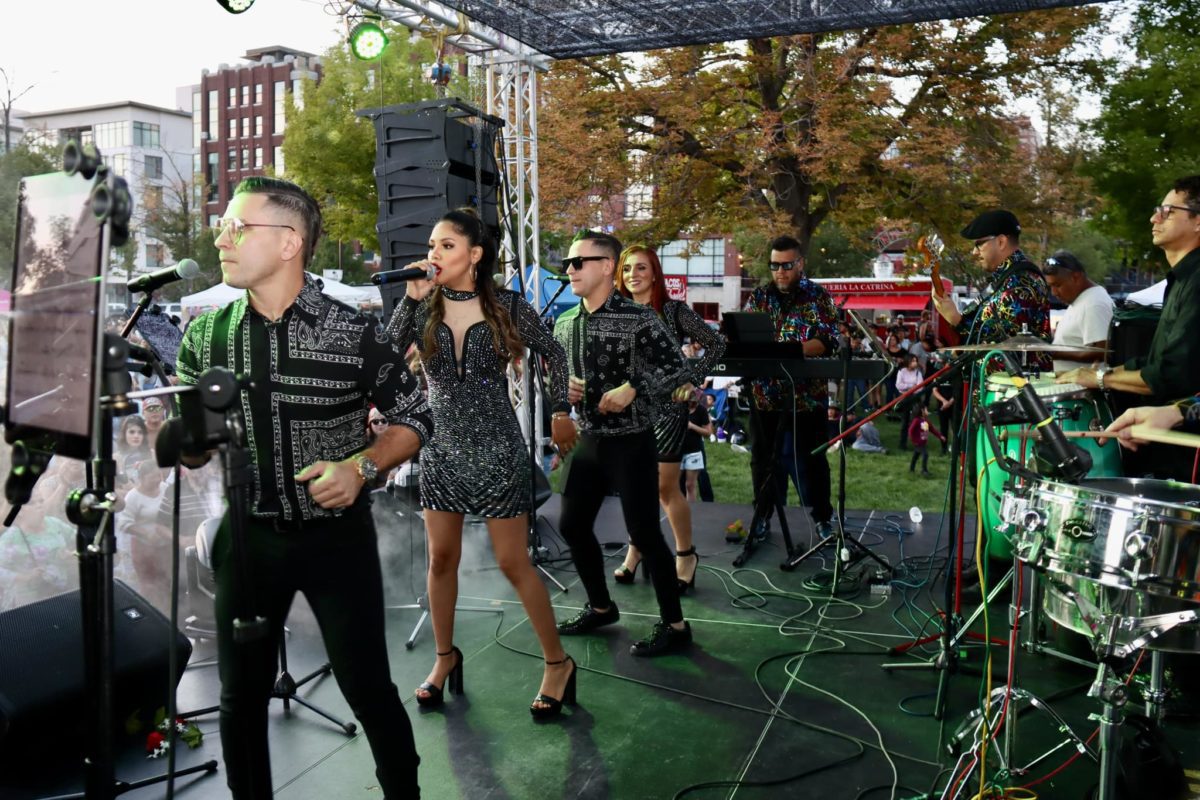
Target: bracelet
<point x="560" y="415"/>
<point x="1100" y="379"/>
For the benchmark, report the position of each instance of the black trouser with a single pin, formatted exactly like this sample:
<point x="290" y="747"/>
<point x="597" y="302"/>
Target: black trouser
<point x="945" y="418"/>
<point x="766" y="429"/>
<point x="919" y="451"/>
<point x="628" y="464"/>
<point x="336" y="566"/>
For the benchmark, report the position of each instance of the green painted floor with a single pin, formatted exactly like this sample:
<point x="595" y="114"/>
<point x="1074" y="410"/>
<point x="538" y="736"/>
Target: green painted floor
<point x="783" y="694"/>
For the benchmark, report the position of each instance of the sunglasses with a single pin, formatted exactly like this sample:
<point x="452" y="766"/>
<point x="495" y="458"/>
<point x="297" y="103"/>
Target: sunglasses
<point x="577" y="262"/>
<point x="379" y="422"/>
<point x="978" y="243"/>
<point x="786" y="266"/>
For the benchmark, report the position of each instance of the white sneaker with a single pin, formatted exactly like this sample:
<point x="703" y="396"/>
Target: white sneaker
<point x="737" y="448"/>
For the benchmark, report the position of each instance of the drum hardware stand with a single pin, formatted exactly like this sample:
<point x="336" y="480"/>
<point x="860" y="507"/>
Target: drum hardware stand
<point x="1034" y="642"/>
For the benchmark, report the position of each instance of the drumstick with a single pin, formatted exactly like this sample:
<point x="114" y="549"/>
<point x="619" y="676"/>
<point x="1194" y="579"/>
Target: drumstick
<point x="1069" y="434"/>
<point x="1141" y="432"/>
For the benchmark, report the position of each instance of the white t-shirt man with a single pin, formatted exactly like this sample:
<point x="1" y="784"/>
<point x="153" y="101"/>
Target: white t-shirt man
<point x="1085" y="321"/>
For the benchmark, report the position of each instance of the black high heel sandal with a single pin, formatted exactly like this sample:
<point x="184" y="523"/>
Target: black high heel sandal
<point x="553" y="706"/>
<point x="454" y="681"/>
<point x="689" y="584"/>
<point x="625" y="575"/>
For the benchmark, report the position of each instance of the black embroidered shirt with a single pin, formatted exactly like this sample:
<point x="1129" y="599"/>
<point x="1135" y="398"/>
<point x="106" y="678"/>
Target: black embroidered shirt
<point x="314" y="370"/>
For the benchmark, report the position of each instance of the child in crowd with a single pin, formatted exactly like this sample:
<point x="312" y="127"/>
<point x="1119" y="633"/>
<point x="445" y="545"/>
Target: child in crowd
<point x="918" y="434"/>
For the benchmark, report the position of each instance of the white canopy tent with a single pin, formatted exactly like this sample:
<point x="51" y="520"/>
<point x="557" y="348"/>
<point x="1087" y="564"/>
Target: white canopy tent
<point x="219" y="295"/>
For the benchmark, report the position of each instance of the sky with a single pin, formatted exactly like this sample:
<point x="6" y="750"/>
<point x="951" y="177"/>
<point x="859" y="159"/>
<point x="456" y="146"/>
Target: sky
<point x="143" y="49"/>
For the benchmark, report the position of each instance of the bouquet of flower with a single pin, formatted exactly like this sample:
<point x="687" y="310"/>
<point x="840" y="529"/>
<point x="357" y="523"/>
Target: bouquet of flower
<point x="158" y="741"/>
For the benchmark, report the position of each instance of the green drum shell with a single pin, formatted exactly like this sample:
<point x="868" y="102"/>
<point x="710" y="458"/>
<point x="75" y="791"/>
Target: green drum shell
<point x="1074" y="411"/>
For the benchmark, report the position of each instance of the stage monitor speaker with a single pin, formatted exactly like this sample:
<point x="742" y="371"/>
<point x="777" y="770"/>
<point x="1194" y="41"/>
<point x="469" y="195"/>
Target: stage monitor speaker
<point x="42" y="671"/>
<point x="431" y="157"/>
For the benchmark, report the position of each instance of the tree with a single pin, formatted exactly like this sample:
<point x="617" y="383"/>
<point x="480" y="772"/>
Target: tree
<point x="169" y="213"/>
<point x="20" y="162"/>
<point x="7" y="103"/>
<point x="780" y="135"/>
<point x="330" y="151"/>
<point x="1146" y="128"/>
<point x="332" y="254"/>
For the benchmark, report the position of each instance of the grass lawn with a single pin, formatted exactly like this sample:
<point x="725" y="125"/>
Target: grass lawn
<point x="874" y="481"/>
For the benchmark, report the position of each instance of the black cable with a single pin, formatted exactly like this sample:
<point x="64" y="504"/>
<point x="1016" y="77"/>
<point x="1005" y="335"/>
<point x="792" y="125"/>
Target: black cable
<point x="172" y="656"/>
<point x="887" y="787"/>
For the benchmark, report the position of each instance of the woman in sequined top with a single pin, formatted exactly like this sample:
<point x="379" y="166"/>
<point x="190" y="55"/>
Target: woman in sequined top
<point x="477" y="462"/>
<point x="640" y="277"/>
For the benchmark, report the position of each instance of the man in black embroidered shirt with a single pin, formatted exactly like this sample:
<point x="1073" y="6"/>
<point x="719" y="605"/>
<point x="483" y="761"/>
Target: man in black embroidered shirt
<point x="1168" y="370"/>
<point x="623" y="362"/>
<point x="315" y="363"/>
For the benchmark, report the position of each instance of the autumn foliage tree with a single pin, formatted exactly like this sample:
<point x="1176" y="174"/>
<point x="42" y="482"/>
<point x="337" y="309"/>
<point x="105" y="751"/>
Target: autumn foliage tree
<point x="907" y="123"/>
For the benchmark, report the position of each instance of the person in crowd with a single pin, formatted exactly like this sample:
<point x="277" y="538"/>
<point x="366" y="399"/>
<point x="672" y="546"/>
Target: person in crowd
<point x="477" y="462"/>
<point x="315" y="364"/>
<point x="1168" y="369"/>
<point x="624" y="363"/>
<point x="907" y="379"/>
<point x="918" y="433"/>
<point x="1089" y="310"/>
<point x="137" y="526"/>
<point x="377" y="423"/>
<point x="867" y="439"/>
<point x="155" y="414"/>
<point x="801" y="311"/>
<point x="133" y="445"/>
<point x="699" y="425"/>
<point x="1019" y="299"/>
<point x="925" y="329"/>
<point x="945" y="397"/>
<point x="640" y="278"/>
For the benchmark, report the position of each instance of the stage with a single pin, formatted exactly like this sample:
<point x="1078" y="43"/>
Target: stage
<point x="781" y="682"/>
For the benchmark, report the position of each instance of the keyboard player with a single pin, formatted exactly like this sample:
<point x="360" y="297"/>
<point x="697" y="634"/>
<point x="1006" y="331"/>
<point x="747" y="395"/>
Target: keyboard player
<point x="801" y="311"/>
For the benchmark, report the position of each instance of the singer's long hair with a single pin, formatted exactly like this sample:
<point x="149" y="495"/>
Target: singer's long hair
<point x="505" y="337"/>
<point x="658" y="289"/>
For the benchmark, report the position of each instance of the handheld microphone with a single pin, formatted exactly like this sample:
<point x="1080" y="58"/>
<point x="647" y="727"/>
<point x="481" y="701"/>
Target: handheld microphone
<point x="185" y="270"/>
<point x="401" y="275"/>
<point x="1071" y="462"/>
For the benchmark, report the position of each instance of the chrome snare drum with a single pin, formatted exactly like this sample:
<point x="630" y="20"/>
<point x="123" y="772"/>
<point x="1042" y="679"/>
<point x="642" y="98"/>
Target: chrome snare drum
<point x="1127" y="533"/>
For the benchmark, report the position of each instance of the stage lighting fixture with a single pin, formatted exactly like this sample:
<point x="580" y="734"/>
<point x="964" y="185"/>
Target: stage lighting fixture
<point x="367" y="41"/>
<point x="236" y="6"/>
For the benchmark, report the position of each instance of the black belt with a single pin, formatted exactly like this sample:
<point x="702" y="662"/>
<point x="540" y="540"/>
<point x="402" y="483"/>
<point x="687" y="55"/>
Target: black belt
<point x="282" y="525"/>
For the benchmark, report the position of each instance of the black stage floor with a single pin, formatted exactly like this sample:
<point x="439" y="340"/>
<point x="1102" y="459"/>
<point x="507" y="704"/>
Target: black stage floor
<point x="783" y="683"/>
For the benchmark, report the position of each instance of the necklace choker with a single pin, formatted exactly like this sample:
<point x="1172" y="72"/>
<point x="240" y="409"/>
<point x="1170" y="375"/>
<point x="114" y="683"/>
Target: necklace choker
<point x="455" y="294"/>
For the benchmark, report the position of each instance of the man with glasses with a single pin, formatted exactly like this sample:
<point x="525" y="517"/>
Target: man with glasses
<point x="623" y="363"/>
<point x="316" y="364"/>
<point x="1169" y="369"/>
<point x="1089" y="310"/>
<point x="1019" y="299"/>
<point x="801" y="311"/>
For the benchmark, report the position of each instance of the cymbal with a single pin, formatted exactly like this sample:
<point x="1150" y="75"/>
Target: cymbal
<point x="1026" y="344"/>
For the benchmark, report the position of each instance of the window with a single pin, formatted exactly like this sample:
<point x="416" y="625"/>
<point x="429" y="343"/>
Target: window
<point x="232" y="187"/>
<point x="704" y="267"/>
<point x="153" y="167"/>
<point x="639" y="201"/>
<point x="279" y="107"/>
<point x="258" y="94"/>
<point x="232" y="128"/>
<point x="246" y="95"/>
<point x="258" y="158"/>
<point x="119" y="164"/>
<point x="258" y="125"/>
<point x="153" y="198"/>
<point x="213" y="119"/>
<point x="246" y="158"/>
<point x="210" y="178"/>
<point x="232" y="96"/>
<point x="231" y="163"/>
<point x="298" y="93"/>
<point x="145" y="134"/>
<point x="155" y="255"/>
<point x="197" y="180"/>
<point x="195" y="119"/>
<point x="278" y="162"/>
<point x="245" y="127"/>
<point x="108" y="135"/>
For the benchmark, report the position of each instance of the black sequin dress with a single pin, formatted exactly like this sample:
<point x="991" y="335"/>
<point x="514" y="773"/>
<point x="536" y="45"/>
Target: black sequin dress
<point x="477" y="461"/>
<point x="671" y="426"/>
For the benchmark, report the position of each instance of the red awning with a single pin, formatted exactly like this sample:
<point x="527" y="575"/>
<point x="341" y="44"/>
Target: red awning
<point x="883" y="302"/>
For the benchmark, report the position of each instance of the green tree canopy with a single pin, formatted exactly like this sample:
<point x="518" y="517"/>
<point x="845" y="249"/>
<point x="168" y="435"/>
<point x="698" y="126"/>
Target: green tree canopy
<point x="330" y="151"/>
<point x="18" y="163"/>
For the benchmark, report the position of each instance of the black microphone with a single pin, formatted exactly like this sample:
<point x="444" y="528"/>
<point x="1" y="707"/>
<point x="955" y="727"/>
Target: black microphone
<point x="185" y="270"/>
<point x="1071" y="462"/>
<point x="554" y="276"/>
<point x="401" y="275"/>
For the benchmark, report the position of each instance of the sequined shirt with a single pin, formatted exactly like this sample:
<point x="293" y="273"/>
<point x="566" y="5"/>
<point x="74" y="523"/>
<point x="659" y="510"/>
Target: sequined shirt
<point x="682" y="320"/>
<point x="1020" y="298"/>
<point x="801" y="314"/>
<point x="314" y="371"/>
<point x="620" y="342"/>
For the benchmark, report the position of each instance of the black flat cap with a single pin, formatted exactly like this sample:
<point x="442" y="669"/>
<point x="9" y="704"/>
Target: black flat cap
<point x="993" y="223"/>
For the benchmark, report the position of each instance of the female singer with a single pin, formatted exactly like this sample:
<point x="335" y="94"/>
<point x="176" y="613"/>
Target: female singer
<point x="640" y="277"/>
<point x="477" y="462"/>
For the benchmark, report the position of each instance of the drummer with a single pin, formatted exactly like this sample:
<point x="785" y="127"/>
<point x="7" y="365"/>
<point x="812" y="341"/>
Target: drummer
<point x="1089" y="311"/>
<point x="1184" y="414"/>
<point x="1019" y="299"/>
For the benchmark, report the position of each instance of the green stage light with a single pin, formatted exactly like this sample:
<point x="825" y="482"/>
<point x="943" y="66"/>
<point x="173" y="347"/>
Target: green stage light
<point x="236" y="6"/>
<point x="367" y="40"/>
